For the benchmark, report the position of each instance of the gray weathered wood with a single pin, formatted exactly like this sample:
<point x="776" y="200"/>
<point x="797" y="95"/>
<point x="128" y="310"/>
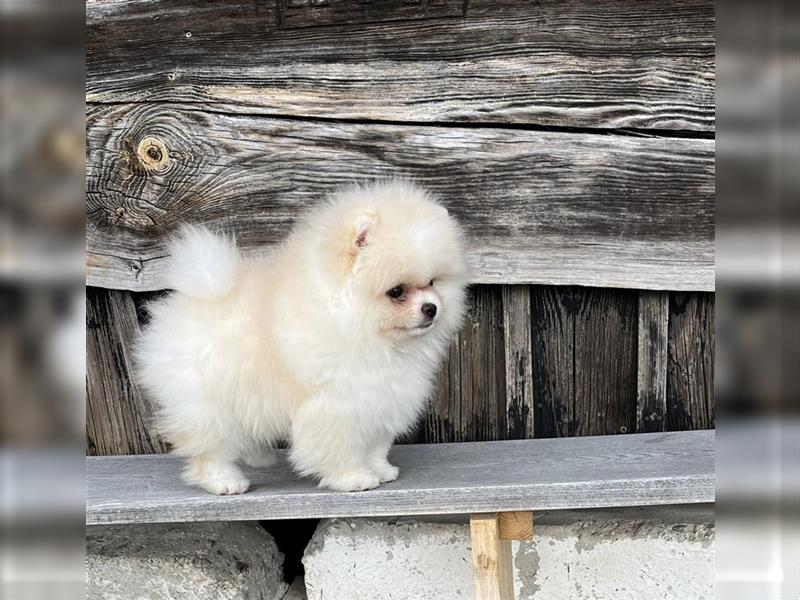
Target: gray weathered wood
<point x="584" y="358"/>
<point x="306" y="13"/>
<point x="633" y="470"/>
<point x="474" y="385"/>
<point x="469" y="403"/>
<point x="553" y="355"/>
<point x="119" y="418"/>
<point x="518" y="361"/>
<point x="690" y="372"/>
<point x="651" y="393"/>
<point x="610" y="64"/>
<point x="605" y="362"/>
<point x="538" y="207"/>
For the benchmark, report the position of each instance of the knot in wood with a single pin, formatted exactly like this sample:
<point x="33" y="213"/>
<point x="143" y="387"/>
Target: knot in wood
<point x="153" y="154"/>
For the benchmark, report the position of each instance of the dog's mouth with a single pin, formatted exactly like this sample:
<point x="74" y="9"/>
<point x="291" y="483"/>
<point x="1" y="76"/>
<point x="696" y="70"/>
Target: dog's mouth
<point x="417" y="329"/>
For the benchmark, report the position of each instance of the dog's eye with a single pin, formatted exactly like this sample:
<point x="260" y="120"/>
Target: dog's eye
<point x="430" y="283"/>
<point x="396" y="292"/>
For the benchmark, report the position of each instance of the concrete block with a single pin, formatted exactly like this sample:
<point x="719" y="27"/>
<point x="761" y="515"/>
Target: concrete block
<point x="224" y="561"/>
<point x="631" y="554"/>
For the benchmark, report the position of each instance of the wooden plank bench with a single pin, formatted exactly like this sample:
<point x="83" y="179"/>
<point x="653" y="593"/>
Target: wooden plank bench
<point x="484" y="479"/>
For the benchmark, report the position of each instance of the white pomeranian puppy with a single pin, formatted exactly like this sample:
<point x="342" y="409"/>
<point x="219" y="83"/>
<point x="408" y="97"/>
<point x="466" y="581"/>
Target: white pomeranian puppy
<point x="331" y="342"/>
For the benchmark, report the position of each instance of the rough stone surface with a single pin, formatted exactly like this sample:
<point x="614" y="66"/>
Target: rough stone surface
<point x="635" y="554"/>
<point x="223" y="561"/>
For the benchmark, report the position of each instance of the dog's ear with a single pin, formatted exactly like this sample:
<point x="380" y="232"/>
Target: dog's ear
<point x="364" y="225"/>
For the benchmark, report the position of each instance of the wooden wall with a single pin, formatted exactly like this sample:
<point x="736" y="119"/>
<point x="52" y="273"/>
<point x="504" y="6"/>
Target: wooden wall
<point x="573" y="139"/>
<point x="531" y="361"/>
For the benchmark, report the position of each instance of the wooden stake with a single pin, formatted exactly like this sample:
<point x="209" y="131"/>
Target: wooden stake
<point x="491" y="559"/>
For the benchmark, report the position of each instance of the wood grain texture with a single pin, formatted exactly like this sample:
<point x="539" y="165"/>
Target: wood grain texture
<point x="119" y="418"/>
<point x="605" y="361"/>
<point x="492" y="563"/>
<point x="553" y="343"/>
<point x="519" y="373"/>
<point x="651" y="393"/>
<point x="516" y="525"/>
<point x="690" y="374"/>
<point x="591" y="472"/>
<point x="584" y="361"/>
<point x="472" y="392"/>
<point x="308" y="13"/>
<point x="470" y="402"/>
<point x="608" y="64"/>
<point x="538" y="207"/>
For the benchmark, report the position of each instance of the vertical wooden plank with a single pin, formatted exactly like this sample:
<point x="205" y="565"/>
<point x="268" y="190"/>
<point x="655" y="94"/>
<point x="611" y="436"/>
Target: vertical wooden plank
<point x="605" y="361"/>
<point x="690" y="372"/>
<point x="584" y="345"/>
<point x="441" y="421"/>
<point x="651" y="393"/>
<point x="483" y="405"/>
<point x="553" y="364"/>
<point x="119" y="419"/>
<point x="518" y="361"/>
<point x="491" y="559"/>
<point x="469" y="400"/>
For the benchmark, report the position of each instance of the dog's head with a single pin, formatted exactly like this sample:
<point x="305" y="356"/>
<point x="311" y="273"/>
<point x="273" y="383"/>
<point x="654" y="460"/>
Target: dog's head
<point x="402" y="258"/>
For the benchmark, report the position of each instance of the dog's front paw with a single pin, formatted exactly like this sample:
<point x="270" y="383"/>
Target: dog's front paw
<point x="351" y="481"/>
<point x="226" y="486"/>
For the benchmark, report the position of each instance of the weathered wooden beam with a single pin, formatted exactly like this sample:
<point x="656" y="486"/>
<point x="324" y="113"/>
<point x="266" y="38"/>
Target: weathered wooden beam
<point x="469" y="403"/>
<point x="538" y="207"/>
<point x="492" y="567"/>
<point x="119" y="418"/>
<point x="605" y="362"/>
<point x="553" y="357"/>
<point x="651" y="392"/>
<point x="584" y="354"/>
<point x="690" y="372"/>
<point x="473" y="477"/>
<point x="607" y="64"/>
<point x="518" y="361"/>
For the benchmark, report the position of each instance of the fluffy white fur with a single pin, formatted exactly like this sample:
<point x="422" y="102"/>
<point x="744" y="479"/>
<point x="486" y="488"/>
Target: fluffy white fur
<point x="306" y="345"/>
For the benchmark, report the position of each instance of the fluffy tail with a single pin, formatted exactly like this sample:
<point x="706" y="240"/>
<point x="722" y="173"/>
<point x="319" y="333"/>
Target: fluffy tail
<point x="202" y="264"/>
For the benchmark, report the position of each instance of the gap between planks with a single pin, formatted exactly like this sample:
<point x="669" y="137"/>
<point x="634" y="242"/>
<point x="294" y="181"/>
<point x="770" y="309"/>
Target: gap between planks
<point x="236" y="110"/>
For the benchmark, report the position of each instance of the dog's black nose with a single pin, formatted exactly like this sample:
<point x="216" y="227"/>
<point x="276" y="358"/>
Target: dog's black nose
<point x="429" y="310"/>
